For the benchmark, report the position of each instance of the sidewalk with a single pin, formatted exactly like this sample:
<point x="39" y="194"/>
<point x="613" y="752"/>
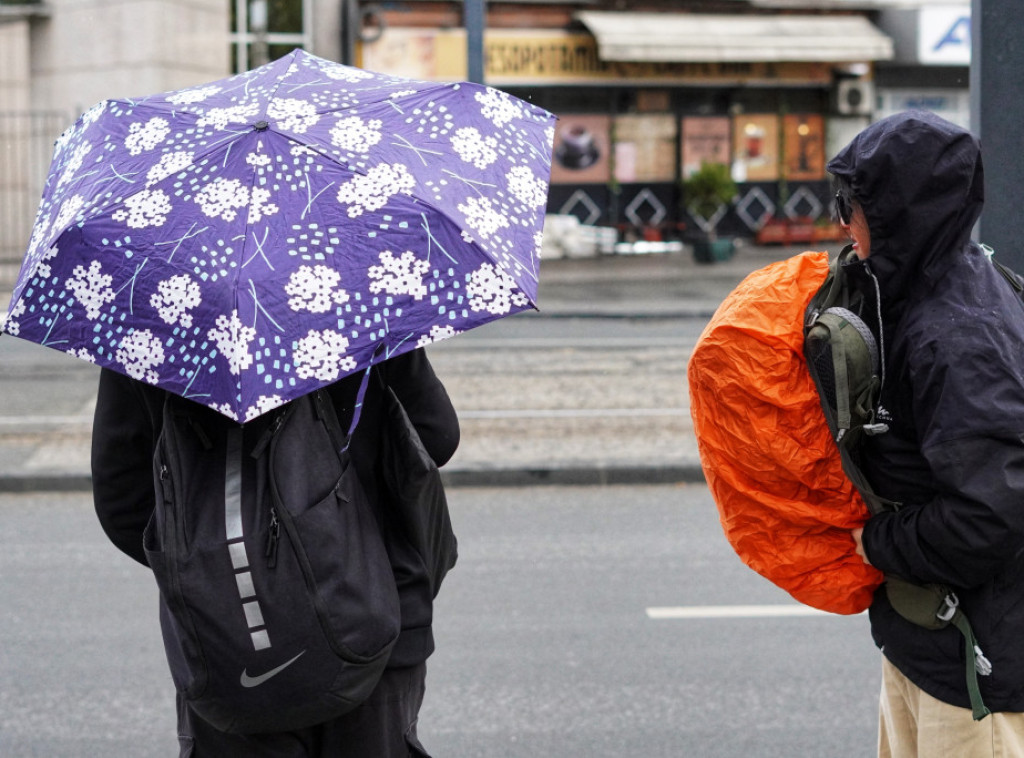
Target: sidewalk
<point x="44" y="441"/>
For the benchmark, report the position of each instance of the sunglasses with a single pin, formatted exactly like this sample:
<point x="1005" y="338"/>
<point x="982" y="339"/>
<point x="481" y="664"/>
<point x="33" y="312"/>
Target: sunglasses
<point x="843" y="208"/>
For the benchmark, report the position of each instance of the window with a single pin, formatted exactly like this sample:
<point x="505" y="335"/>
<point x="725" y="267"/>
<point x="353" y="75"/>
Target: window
<point x="265" y="30"/>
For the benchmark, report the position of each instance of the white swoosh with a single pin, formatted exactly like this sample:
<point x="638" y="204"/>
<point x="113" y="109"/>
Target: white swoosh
<point x="256" y="681"/>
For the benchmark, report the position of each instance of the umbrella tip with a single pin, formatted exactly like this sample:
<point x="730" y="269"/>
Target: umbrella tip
<point x="261" y="126"/>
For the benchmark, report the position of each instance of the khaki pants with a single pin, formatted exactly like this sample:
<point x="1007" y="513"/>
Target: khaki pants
<point x="913" y="724"/>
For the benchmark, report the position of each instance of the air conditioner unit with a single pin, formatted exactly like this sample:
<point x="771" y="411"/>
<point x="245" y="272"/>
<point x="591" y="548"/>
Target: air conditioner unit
<point x="855" y="97"/>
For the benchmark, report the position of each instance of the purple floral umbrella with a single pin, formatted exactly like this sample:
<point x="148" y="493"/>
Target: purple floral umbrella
<point x="244" y="242"/>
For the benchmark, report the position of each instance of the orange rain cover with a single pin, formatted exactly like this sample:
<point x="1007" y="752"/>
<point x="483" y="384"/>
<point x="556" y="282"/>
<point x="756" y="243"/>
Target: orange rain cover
<point x="785" y="504"/>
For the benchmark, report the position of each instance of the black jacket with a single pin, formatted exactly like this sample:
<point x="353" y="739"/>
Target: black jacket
<point x="953" y="334"/>
<point x="127" y="424"/>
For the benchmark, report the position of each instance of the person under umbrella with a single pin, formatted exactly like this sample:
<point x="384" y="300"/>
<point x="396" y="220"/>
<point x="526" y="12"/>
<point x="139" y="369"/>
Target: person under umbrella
<point x="245" y="242"/>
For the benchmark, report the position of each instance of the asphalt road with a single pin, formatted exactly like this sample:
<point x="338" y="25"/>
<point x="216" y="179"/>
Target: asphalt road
<point x="548" y="640"/>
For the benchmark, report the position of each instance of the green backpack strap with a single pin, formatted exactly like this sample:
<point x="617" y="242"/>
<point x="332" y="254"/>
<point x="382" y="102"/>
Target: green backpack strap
<point x="934" y="606"/>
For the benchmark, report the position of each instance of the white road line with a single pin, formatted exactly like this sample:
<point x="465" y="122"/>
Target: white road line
<point x="561" y="343"/>
<point x="573" y="413"/>
<point x="735" y="611"/>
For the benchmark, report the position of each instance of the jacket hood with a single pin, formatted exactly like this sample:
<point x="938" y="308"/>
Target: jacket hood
<point x="920" y="182"/>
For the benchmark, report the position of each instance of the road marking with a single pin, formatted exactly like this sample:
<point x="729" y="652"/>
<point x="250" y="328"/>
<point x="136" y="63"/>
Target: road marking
<point x="735" y="611"/>
<point x="561" y="343"/>
<point x="574" y="413"/>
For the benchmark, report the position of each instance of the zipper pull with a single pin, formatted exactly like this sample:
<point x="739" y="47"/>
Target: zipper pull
<point x="273" y="535"/>
<point x="165" y="483"/>
<point x="274" y="428"/>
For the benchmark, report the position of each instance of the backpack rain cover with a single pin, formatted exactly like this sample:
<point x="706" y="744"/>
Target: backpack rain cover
<point x="775" y="473"/>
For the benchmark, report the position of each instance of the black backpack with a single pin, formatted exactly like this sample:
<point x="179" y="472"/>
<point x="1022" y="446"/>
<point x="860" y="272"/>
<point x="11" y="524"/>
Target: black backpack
<point x="279" y="607"/>
<point x="847" y="365"/>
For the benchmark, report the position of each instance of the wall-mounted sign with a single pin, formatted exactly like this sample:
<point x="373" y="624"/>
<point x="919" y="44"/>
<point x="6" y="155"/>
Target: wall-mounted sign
<point x="525" y="57"/>
<point x="944" y="35"/>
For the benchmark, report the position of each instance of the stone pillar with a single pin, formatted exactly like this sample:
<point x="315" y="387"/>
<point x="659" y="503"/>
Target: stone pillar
<point x="21" y="170"/>
<point x="131" y="48"/>
<point x="476" y="22"/>
<point x="997" y="112"/>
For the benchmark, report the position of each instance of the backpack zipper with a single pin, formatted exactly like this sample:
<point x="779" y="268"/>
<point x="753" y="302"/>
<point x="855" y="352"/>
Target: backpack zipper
<point x="273" y="536"/>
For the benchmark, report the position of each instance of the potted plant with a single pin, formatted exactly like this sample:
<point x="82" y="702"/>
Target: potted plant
<point x="707" y="194"/>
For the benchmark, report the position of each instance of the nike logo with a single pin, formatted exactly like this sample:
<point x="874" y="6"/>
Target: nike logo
<point x="256" y="681"/>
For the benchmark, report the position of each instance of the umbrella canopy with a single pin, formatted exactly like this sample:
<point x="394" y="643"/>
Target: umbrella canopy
<point x="244" y="242"/>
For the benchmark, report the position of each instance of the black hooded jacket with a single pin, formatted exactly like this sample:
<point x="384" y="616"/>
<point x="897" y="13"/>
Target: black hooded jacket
<point x="953" y="341"/>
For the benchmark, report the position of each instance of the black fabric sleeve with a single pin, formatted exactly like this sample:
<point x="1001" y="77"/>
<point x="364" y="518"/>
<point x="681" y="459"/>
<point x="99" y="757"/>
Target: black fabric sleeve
<point x="426" y="401"/>
<point x="122" y="462"/>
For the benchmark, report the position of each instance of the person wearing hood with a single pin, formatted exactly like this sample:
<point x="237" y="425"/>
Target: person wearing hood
<point x="952" y="337"/>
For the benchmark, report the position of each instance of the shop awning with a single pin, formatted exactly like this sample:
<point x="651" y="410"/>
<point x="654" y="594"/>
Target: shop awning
<point x="696" y="38"/>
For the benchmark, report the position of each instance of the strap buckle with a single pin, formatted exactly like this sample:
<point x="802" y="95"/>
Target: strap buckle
<point x="950" y="604"/>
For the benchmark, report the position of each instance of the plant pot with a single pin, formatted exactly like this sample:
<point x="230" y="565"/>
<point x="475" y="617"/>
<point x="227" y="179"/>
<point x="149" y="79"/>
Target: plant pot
<point x="712" y="250"/>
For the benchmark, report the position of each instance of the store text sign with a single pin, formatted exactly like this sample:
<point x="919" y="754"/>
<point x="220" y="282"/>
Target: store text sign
<point x="944" y="35"/>
<point x="526" y="57"/>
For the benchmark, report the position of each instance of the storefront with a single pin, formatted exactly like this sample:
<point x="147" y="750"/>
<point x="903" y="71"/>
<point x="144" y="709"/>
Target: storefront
<point x="643" y="99"/>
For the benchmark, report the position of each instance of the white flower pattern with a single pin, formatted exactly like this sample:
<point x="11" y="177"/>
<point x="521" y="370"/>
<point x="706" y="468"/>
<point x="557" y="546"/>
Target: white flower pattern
<point x="474" y="148"/>
<point x="492" y="290"/>
<point x="147" y="208"/>
<point x="298" y="116"/>
<point x="399" y="276"/>
<point x="140" y="353"/>
<point x="371" y="191"/>
<point x="436" y="334"/>
<point x="315" y="289"/>
<point x="169" y="165"/>
<point x="527" y="187"/>
<point x="233" y="338"/>
<point x="499" y="106"/>
<point x="321" y="355"/>
<point x="91" y="288"/>
<point x="146" y="136"/>
<point x="483" y="217"/>
<point x="358" y="136"/>
<point x="175" y="298"/>
<point x="222" y="198"/>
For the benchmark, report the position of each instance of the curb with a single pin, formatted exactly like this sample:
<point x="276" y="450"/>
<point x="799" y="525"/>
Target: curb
<point x="687" y="473"/>
<point x="24" y="483"/>
<point x="568" y="476"/>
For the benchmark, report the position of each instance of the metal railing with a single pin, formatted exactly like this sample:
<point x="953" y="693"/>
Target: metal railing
<point x="26" y="147"/>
